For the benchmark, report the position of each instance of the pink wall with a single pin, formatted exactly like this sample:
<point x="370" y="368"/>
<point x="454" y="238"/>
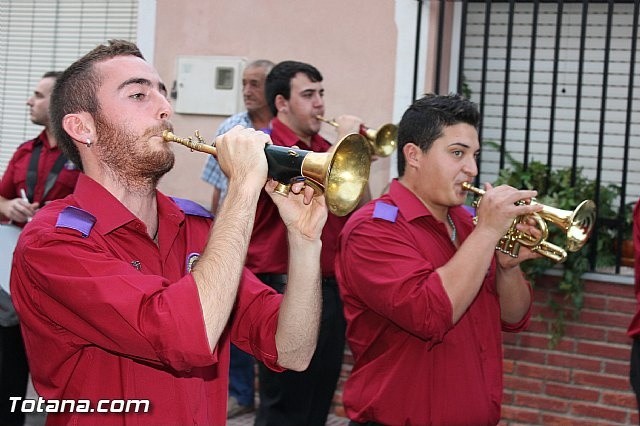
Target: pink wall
<point x="352" y="43"/>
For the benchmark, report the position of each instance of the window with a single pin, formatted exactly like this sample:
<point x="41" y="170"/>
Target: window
<point x="47" y="35"/>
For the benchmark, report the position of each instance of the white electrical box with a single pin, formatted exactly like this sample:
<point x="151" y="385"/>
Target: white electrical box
<point x="210" y="85"/>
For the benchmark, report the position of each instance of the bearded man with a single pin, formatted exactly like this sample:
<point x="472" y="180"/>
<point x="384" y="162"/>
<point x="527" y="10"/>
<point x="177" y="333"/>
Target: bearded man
<point x="129" y="300"/>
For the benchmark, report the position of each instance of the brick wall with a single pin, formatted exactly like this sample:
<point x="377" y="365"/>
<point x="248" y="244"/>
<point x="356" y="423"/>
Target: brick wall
<point x="583" y="380"/>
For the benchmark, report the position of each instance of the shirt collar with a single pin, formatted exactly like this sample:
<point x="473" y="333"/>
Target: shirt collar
<point x="43" y="139"/>
<point x="408" y="203"/>
<point x="109" y="212"/>
<point x="286" y="137"/>
<point x="411" y="206"/>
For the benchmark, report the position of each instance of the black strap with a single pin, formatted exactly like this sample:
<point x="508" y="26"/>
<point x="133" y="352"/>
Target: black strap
<point x="32" y="172"/>
<point x="53" y="174"/>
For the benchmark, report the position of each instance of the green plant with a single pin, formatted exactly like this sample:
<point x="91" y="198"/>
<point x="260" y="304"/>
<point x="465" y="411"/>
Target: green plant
<point x="628" y="220"/>
<point x="565" y="189"/>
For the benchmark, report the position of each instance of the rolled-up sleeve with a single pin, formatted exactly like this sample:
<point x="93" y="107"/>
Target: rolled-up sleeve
<point x="98" y="299"/>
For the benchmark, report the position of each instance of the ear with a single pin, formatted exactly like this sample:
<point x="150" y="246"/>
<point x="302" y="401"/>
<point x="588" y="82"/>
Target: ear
<point x="80" y="126"/>
<point x="281" y="103"/>
<point x="412" y="154"/>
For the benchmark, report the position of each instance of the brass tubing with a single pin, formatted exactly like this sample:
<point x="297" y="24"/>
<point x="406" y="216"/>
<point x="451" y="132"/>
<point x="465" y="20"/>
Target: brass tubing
<point x="469" y="187"/>
<point x="190" y="143"/>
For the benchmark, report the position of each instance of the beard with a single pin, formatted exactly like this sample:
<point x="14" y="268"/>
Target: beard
<point x="138" y="166"/>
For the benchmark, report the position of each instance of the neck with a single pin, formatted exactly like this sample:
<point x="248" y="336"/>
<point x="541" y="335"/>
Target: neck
<point x="140" y="199"/>
<point x="304" y="137"/>
<point x="260" y="118"/>
<point x="439" y="212"/>
<point x="52" y="140"/>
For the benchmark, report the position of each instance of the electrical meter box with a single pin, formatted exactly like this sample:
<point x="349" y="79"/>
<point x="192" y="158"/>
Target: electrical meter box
<point x="209" y="85"/>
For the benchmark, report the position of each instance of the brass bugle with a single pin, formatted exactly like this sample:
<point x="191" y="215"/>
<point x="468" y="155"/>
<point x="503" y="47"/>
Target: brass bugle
<point x="382" y="141"/>
<point x="340" y="174"/>
<point x="577" y="226"/>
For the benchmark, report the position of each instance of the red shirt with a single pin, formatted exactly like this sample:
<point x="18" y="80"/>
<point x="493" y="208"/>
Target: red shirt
<point x="15" y="176"/>
<point x="268" y="251"/>
<point x="412" y="365"/>
<point x="634" y="327"/>
<point x="107" y="314"/>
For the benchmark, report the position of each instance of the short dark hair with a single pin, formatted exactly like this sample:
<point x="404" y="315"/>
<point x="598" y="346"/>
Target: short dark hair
<point x="278" y="81"/>
<point x="51" y="74"/>
<point x="76" y="88"/>
<point x="424" y="121"/>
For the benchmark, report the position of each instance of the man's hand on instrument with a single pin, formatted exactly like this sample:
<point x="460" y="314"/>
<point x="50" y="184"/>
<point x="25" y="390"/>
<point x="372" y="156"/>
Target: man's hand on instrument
<point x="240" y="153"/>
<point x="499" y="206"/>
<point x="301" y="211"/>
<point x="530" y="227"/>
<point x="347" y="124"/>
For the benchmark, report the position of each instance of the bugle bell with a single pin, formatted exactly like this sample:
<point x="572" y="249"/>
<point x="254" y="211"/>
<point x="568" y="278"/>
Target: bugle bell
<point x="340" y="174"/>
<point x="577" y="225"/>
<point x="382" y="141"/>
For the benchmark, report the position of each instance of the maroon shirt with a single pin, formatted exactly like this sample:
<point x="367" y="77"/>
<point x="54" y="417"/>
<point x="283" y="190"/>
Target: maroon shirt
<point x="108" y="314"/>
<point x="268" y="251"/>
<point x="634" y="327"/>
<point x="412" y="365"/>
<point x="15" y="176"/>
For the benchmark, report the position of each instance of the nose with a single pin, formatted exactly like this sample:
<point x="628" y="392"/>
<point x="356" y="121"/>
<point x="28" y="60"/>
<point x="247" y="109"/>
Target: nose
<point x="30" y="101"/>
<point x="165" y="110"/>
<point x="470" y="167"/>
<point x="318" y="101"/>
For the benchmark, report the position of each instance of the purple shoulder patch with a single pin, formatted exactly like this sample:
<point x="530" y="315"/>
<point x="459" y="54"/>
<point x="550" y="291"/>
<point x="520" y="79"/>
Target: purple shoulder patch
<point x="78" y="219"/>
<point x="385" y="211"/>
<point x="192" y="208"/>
<point x="471" y="210"/>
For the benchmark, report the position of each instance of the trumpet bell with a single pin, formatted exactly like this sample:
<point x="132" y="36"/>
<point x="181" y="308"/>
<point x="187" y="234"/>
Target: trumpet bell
<point x="577" y="224"/>
<point x="341" y="173"/>
<point x="384" y="140"/>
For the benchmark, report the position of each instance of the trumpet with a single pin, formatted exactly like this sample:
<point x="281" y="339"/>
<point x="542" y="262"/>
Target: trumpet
<point x="341" y="174"/>
<point x="382" y="141"/>
<point x="577" y="226"/>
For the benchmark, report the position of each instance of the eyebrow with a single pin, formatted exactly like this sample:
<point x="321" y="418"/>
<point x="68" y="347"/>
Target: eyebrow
<point x="464" y="145"/>
<point x="321" y="91"/>
<point x="142" y="81"/>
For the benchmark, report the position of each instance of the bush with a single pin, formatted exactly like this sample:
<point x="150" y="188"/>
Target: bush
<point x="565" y="189"/>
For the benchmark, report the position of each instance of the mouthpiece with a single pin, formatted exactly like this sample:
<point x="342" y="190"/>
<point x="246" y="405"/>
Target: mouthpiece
<point x="198" y="145"/>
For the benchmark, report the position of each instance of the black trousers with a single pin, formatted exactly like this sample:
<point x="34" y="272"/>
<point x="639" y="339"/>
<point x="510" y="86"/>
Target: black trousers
<point x="634" y="370"/>
<point x="304" y="398"/>
<point x="14" y="374"/>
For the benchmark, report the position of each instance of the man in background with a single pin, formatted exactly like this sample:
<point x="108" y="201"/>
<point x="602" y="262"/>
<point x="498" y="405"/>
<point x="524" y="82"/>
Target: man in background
<point x="37" y="173"/>
<point x="257" y="116"/>
<point x="295" y="93"/>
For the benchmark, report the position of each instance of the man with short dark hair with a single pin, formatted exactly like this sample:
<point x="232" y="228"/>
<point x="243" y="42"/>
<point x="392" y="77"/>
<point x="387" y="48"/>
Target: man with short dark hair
<point x="37" y="173"/>
<point x="125" y="294"/>
<point x="426" y="296"/>
<point x="295" y="95"/>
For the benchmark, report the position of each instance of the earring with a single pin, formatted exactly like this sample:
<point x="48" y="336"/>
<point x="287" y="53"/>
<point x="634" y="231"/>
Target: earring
<point x="88" y="143"/>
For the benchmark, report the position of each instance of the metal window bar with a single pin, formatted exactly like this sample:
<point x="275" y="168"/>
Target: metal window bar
<point x="481" y="97"/>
